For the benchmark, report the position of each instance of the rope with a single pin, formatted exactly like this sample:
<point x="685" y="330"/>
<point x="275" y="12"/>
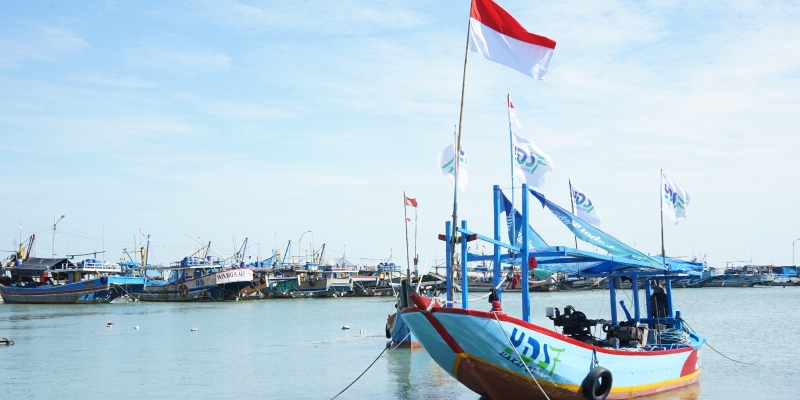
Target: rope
<point x="373" y="363"/>
<point x="520" y="357"/>
<point x="443" y="301"/>
<point x="712" y="348"/>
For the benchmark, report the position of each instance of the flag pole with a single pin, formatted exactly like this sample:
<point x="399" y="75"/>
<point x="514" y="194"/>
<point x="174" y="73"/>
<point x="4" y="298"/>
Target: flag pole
<point x="458" y="159"/>
<point x="572" y="204"/>
<point x="661" y="207"/>
<point x="512" y="240"/>
<point x="405" y="221"/>
<point x="416" y="256"/>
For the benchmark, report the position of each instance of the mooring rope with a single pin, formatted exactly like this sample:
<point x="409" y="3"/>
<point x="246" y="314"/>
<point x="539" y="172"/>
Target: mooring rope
<point x="520" y="357"/>
<point x="712" y="348"/>
<point x="373" y="363"/>
<point x="442" y="301"/>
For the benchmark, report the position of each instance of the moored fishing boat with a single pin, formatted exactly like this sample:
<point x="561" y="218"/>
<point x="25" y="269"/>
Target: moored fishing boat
<point x="746" y="276"/>
<point x="59" y="281"/>
<point x="397" y="331"/>
<point x="501" y="356"/>
<point x="194" y="279"/>
<point x="326" y="280"/>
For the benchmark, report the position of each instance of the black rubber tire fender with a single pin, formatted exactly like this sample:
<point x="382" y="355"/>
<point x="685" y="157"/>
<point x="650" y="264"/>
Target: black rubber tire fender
<point x="597" y="384"/>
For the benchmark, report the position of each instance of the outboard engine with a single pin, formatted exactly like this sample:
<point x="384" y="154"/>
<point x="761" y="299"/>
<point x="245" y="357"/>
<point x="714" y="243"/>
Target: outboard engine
<point x="573" y="323"/>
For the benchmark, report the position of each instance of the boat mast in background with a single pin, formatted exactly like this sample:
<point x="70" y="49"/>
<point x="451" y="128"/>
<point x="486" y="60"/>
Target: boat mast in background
<point x="454" y="227"/>
<point x="572" y="205"/>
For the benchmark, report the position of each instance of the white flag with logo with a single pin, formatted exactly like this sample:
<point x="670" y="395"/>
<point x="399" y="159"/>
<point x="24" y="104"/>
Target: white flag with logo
<point x="584" y="208"/>
<point x="446" y="160"/>
<point x="674" y="200"/>
<point x="532" y="166"/>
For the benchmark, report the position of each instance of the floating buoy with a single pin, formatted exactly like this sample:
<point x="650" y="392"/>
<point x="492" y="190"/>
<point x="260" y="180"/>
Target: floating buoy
<point x="194" y="329"/>
<point x="136" y="327"/>
<point x="6" y="342"/>
<point x="363" y="332"/>
<point x="346" y="327"/>
<point x="109" y="325"/>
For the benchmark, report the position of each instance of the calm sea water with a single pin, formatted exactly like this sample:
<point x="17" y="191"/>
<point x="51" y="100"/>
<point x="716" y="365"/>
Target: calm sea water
<point x="297" y="349"/>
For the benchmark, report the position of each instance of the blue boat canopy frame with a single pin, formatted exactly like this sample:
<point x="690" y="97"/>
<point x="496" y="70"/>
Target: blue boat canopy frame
<point x="626" y="263"/>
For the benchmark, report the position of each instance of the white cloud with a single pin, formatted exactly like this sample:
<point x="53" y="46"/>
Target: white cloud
<point x="175" y="56"/>
<point x="113" y="80"/>
<point x="39" y="43"/>
<point x="309" y="16"/>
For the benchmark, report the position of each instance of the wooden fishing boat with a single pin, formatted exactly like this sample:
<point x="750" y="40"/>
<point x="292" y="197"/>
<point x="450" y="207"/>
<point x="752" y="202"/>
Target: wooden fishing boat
<point x="503" y="357"/>
<point x="59" y="281"/>
<point x="397" y="331"/>
<point x="194" y="279"/>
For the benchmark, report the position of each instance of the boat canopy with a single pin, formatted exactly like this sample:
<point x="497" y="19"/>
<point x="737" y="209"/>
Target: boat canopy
<point x="35" y="266"/>
<point x="684" y="266"/>
<point x="535" y="240"/>
<point x="341" y="262"/>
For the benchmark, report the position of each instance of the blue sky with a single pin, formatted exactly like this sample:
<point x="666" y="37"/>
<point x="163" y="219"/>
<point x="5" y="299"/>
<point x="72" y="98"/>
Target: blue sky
<point x="265" y="119"/>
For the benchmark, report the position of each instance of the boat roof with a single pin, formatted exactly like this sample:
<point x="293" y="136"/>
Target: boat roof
<point x="35" y="266"/>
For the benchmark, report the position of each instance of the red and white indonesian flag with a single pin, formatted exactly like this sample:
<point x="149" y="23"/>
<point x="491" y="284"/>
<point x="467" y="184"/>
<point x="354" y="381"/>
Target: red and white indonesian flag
<point x="494" y="33"/>
<point x="512" y="113"/>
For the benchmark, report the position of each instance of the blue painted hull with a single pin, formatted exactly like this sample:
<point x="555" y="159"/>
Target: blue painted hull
<point x="217" y="286"/>
<point x="401" y="335"/>
<point x="98" y="290"/>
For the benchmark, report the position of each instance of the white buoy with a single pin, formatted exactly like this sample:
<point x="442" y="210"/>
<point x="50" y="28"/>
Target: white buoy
<point x="363" y="332"/>
<point x="136" y="327"/>
<point x="194" y="329"/>
<point x="346" y="327"/>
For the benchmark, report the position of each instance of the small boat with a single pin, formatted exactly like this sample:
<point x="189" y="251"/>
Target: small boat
<point x="326" y="280"/>
<point x="397" y="331"/>
<point x="194" y="279"/>
<point x="59" y="281"/>
<point x="745" y="276"/>
<point x="500" y="356"/>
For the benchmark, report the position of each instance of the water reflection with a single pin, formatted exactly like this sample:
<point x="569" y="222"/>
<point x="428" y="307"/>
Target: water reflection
<point x="417" y="376"/>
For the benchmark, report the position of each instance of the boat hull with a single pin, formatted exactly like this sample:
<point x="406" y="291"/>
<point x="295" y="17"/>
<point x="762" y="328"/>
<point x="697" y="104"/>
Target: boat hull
<point x="399" y="333"/>
<point x="489" y="352"/>
<point x="98" y="290"/>
<point x="223" y="285"/>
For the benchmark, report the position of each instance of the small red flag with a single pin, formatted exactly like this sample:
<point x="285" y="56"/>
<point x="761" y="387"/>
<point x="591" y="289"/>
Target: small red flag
<point x="409" y="220"/>
<point x="411" y="202"/>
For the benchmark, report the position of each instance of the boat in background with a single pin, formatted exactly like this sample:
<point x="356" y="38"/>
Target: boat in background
<point x="397" y="331"/>
<point x="324" y="281"/>
<point x="194" y="279"/>
<point x="59" y="281"/>
<point x="744" y="276"/>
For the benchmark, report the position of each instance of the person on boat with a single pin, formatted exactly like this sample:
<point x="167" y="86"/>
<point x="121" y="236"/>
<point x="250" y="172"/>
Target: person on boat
<point x="658" y="300"/>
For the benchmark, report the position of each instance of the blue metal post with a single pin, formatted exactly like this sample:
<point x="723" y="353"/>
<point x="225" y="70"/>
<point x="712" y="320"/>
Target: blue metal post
<point x="449" y="274"/>
<point x="635" y="288"/>
<point x="497" y="270"/>
<point x="612" y="290"/>
<point x="648" y="293"/>
<point x="464" y="260"/>
<point x="525" y="272"/>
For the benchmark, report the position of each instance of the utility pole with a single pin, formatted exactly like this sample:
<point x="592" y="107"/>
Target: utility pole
<point x="55" y="222"/>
